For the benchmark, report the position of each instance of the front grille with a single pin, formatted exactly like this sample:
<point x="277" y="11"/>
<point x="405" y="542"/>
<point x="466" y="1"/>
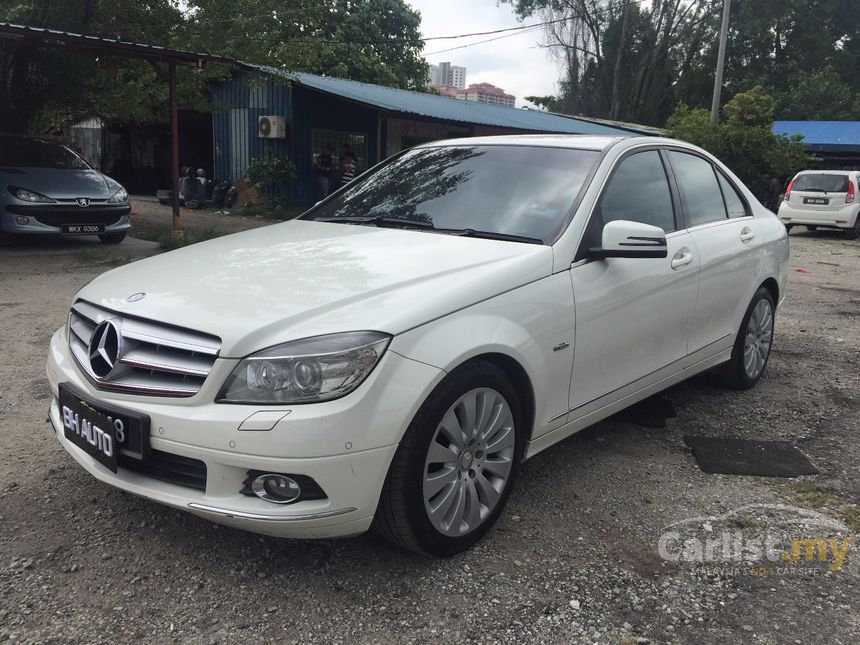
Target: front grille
<point x="151" y="358"/>
<point x="59" y="215"/>
<point x="167" y="467"/>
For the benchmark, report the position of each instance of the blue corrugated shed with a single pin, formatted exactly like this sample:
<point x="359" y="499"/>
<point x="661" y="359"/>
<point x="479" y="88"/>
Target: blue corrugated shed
<point x="822" y="136"/>
<point x="443" y="108"/>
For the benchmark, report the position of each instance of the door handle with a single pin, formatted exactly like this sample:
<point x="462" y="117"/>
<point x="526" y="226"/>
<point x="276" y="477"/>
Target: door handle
<point x="747" y="234"/>
<point x="681" y="258"/>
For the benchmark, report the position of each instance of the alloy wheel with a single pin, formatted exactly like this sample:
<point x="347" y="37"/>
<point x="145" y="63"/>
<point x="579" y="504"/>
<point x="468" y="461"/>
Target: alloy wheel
<point x="469" y="462"/>
<point x="758" y="338"/>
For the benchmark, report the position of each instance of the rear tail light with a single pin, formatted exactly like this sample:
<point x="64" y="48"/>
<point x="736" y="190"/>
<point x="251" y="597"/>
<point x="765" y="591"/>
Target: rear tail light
<point x="788" y="190"/>
<point x="849" y="197"/>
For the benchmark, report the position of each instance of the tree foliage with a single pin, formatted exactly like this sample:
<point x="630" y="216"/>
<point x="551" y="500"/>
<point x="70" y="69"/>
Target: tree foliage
<point x="41" y="89"/>
<point x="804" y="53"/>
<point x="744" y="139"/>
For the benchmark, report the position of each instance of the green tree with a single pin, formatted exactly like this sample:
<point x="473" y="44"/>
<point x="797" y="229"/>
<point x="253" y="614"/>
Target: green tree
<point x="375" y="41"/>
<point x="635" y="60"/>
<point x="744" y="140"/>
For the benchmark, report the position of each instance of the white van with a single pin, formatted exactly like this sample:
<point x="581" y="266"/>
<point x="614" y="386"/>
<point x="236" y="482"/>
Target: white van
<point x="825" y="198"/>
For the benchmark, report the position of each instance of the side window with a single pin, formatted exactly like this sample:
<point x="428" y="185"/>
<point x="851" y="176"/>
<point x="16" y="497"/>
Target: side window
<point x="638" y="191"/>
<point x="734" y="204"/>
<point x="697" y="182"/>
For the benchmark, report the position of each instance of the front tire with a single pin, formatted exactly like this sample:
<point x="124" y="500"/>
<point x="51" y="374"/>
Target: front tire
<point x="456" y="465"/>
<point x="752" y="345"/>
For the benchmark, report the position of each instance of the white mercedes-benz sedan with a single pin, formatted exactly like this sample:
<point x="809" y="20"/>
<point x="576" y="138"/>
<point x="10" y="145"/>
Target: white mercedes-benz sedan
<point x="391" y="357"/>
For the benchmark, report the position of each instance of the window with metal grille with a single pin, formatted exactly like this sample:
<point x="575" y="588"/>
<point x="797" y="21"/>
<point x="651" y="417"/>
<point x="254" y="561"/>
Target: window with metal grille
<point x="336" y="138"/>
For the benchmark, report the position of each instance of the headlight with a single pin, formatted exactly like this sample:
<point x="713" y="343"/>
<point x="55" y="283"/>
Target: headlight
<point x="119" y="197"/>
<point x="306" y="371"/>
<point x="29" y="196"/>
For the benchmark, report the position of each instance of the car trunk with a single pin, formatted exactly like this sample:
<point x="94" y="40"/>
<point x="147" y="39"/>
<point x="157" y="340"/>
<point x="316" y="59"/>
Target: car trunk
<point x="818" y="195"/>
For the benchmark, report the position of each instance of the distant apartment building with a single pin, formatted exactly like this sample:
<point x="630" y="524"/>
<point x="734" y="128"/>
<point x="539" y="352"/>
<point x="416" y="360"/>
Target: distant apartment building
<point x="447" y="90"/>
<point x="448" y="74"/>
<point x="487" y="93"/>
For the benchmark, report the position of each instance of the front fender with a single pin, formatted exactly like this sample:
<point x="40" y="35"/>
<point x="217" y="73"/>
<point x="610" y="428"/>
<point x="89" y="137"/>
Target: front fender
<point x="524" y="324"/>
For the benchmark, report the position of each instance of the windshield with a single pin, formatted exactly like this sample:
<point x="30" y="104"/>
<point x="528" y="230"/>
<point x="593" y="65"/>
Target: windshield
<point x="33" y="153"/>
<point x="524" y="191"/>
<point x="822" y="182"/>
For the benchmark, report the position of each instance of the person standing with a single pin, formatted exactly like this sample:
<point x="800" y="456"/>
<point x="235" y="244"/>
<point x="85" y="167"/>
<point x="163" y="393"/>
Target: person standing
<point x="347" y="165"/>
<point x="324" y="167"/>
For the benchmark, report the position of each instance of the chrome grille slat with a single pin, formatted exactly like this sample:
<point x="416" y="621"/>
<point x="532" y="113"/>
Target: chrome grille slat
<point x="83" y="330"/>
<point x="174" y="362"/>
<point x="154" y="359"/>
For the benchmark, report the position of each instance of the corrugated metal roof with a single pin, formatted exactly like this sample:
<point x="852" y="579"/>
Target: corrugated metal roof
<point x="443" y="108"/>
<point x="823" y="135"/>
<point x="55" y="36"/>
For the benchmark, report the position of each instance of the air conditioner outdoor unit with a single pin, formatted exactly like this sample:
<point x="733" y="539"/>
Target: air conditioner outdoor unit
<point x="271" y="127"/>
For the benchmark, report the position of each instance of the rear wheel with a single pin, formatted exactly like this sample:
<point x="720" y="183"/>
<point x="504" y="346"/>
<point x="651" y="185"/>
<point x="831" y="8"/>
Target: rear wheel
<point x="112" y="238"/>
<point x="752" y="345"/>
<point x="854" y="232"/>
<point x="456" y="465"/>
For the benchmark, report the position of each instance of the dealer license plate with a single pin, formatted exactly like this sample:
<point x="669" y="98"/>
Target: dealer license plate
<point x="103" y="432"/>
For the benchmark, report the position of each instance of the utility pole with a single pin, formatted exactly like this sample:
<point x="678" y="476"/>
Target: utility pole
<point x="721" y="61"/>
<point x="176" y="233"/>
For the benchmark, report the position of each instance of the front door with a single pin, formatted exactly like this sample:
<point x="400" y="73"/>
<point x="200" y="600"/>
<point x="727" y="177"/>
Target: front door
<point x="633" y="315"/>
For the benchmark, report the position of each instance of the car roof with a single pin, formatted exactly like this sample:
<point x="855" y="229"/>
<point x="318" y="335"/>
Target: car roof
<point x="578" y="141"/>
<point x="827" y="172"/>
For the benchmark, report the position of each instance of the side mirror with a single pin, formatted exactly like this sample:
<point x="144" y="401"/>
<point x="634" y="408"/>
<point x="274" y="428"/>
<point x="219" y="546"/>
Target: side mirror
<point x="626" y="239"/>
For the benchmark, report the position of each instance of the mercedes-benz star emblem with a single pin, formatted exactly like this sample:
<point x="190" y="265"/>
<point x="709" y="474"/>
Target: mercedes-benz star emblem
<point x="140" y="295"/>
<point x="104" y="348"/>
<point x="83" y="201"/>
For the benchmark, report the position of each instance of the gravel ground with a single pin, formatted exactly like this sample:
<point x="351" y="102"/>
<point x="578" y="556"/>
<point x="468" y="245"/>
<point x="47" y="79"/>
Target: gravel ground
<point x="573" y="559"/>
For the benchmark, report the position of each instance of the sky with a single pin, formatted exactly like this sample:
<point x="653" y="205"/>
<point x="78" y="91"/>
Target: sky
<point x="515" y="63"/>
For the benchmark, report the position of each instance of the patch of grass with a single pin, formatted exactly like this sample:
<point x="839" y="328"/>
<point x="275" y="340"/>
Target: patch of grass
<point x="94" y="257"/>
<point x="807" y="495"/>
<point x="167" y="242"/>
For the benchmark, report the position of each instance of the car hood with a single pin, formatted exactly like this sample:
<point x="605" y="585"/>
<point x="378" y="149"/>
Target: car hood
<point x="302" y="278"/>
<point x="58" y="183"/>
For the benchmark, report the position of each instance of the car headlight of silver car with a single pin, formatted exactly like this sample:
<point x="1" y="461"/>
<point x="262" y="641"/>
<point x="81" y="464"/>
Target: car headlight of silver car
<point x="315" y="369"/>
<point x="119" y="197"/>
<point x="29" y="196"/>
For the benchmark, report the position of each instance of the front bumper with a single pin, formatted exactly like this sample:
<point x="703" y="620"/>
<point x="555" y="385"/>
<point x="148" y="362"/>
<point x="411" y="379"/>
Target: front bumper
<point x="345" y="446"/>
<point x="48" y="219"/>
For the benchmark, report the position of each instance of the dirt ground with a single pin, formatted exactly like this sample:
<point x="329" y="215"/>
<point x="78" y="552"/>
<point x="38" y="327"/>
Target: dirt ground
<point x="573" y="559"/>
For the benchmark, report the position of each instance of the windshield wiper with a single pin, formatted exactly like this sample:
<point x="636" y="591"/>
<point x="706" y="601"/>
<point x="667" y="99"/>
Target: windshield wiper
<point x="490" y="235"/>
<point x="381" y="222"/>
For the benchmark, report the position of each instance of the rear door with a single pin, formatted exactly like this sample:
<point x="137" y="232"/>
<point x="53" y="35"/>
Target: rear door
<point x="632" y="314"/>
<point x="726" y="239"/>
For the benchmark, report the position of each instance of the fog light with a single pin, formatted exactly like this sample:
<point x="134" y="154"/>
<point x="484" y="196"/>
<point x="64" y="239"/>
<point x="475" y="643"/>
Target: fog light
<point x="277" y="489"/>
<point x="21" y="220"/>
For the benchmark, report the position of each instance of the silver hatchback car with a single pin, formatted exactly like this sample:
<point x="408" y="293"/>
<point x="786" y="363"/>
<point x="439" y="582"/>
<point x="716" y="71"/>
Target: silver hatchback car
<point x="45" y="188"/>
